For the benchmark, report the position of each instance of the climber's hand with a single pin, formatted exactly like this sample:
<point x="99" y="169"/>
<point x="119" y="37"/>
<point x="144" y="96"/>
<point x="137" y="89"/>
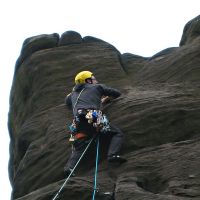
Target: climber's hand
<point x="105" y="99"/>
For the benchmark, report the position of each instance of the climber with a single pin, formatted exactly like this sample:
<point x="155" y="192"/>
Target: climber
<point x="86" y="101"/>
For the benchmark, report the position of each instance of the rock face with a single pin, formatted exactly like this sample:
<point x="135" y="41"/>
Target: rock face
<point x="159" y="113"/>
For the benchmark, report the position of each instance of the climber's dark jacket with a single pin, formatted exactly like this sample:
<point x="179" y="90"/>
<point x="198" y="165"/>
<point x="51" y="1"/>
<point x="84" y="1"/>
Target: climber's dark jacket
<point x="88" y="96"/>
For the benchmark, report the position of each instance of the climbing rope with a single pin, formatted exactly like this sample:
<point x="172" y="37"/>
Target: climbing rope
<point x="96" y="169"/>
<point x="61" y="188"/>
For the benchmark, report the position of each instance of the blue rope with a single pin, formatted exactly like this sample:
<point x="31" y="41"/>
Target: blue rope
<point x="96" y="169"/>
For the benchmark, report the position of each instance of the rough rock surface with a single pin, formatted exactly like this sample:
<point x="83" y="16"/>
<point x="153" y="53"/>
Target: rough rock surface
<point x="158" y="112"/>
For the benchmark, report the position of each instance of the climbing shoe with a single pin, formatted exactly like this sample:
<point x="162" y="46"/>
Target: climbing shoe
<point x="116" y="159"/>
<point x="67" y="172"/>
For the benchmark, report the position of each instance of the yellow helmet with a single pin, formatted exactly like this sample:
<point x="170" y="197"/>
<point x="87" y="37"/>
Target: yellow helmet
<point x="82" y="76"/>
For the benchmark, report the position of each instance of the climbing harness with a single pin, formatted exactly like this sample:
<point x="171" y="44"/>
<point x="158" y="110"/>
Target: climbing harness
<point x="96" y="170"/>
<point x="61" y="188"/>
<point x="94" y="117"/>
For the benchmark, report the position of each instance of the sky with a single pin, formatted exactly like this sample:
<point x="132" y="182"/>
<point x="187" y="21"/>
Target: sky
<point x="140" y="27"/>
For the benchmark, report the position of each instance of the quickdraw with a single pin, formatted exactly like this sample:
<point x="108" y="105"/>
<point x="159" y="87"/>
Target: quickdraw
<point x="98" y="120"/>
<point x="73" y="131"/>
